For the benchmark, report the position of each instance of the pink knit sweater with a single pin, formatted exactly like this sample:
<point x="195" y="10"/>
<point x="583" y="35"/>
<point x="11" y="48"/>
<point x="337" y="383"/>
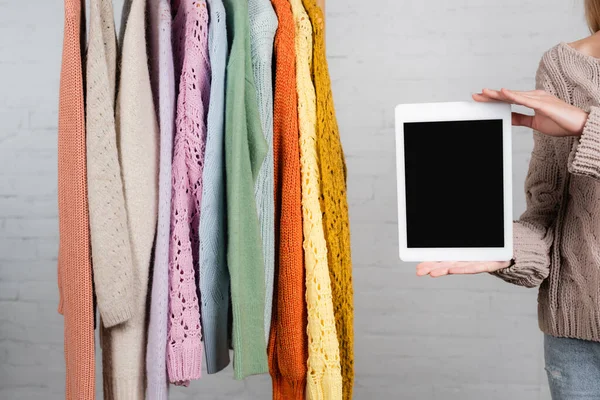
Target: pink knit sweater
<point x="192" y="67"/>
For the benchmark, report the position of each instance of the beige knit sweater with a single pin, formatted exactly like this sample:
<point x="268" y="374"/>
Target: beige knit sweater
<point x="557" y="239"/>
<point x="111" y="248"/>
<point x="124" y="345"/>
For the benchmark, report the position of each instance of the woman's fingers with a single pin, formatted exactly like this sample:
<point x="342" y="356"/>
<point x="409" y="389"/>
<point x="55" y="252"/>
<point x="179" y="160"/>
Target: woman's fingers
<point x="526" y="100"/>
<point x="426" y="268"/>
<point x="522" y="120"/>
<point x="471" y="268"/>
<point x="480" y="97"/>
<point x="496" y="95"/>
<point x="441" y="271"/>
<point x="529" y="93"/>
<point x="437" y="269"/>
<point x="529" y="99"/>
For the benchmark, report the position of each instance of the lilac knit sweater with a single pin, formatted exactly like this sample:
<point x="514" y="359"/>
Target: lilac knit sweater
<point x="192" y="66"/>
<point x="163" y="87"/>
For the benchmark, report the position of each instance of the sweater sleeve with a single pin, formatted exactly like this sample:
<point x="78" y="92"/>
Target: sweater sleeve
<point x="184" y="354"/>
<point x="263" y="25"/>
<point x="109" y="234"/>
<point x="584" y="158"/>
<point x="533" y="232"/>
<point x="214" y="275"/>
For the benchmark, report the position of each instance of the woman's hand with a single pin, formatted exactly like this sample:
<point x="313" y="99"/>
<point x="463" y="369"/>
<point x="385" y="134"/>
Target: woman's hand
<point x="552" y="117"/>
<point x="435" y="269"/>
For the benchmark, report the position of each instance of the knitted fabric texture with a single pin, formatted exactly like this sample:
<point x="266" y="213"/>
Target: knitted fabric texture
<point x="245" y="150"/>
<point x="263" y="24"/>
<point x="555" y="239"/>
<point x="190" y="41"/>
<point x="214" y="276"/>
<point x="163" y="85"/>
<point x="288" y="341"/>
<point x="324" y="371"/>
<point x="111" y="249"/>
<point x="334" y="203"/>
<point x="74" y="267"/>
<point x="124" y="345"/>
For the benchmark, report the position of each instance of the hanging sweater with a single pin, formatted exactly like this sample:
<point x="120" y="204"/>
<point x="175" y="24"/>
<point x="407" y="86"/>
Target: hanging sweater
<point x="190" y="42"/>
<point x="214" y="276"/>
<point x="245" y="150"/>
<point x="555" y="240"/>
<point x="74" y="267"/>
<point x="124" y="346"/>
<point x="111" y="249"/>
<point x="287" y="342"/>
<point x="263" y="24"/>
<point x="334" y="203"/>
<point x="324" y="371"/>
<point x="163" y="85"/>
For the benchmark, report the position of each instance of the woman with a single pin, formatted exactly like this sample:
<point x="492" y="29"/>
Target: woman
<point x="557" y="239"/>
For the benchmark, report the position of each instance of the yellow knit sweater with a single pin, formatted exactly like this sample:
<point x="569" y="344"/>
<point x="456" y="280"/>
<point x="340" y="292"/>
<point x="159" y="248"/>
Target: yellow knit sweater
<point x="334" y="204"/>
<point x="324" y="378"/>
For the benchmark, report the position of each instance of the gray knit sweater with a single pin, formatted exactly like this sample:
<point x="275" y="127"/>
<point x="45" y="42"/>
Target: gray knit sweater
<point x="557" y="239"/>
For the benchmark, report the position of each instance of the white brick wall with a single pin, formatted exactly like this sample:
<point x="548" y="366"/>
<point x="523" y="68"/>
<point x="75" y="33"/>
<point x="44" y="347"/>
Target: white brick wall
<point x="454" y="338"/>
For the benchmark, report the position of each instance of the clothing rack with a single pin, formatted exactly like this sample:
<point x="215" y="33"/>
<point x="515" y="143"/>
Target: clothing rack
<point x="277" y="251"/>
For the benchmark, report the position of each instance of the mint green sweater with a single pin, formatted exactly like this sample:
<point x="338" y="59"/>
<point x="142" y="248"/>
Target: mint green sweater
<point x="245" y="150"/>
<point x="263" y="25"/>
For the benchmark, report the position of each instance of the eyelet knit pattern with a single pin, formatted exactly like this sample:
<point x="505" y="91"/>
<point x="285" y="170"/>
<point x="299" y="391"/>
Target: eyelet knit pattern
<point x="124" y="345"/>
<point x="324" y="371"/>
<point x="74" y="267"/>
<point x="555" y="240"/>
<point x="263" y="24"/>
<point x="190" y="41"/>
<point x="334" y="203"/>
<point x="288" y="342"/>
<point x="214" y="276"/>
<point x="163" y="85"/>
<point x="111" y="249"/>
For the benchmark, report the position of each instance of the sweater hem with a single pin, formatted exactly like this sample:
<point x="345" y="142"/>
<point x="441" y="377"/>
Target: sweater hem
<point x="185" y="363"/>
<point x="573" y="324"/>
<point x="284" y="389"/>
<point x="249" y="345"/>
<point x="124" y="388"/>
<point x="115" y="315"/>
<point x="216" y="346"/>
<point x="157" y="391"/>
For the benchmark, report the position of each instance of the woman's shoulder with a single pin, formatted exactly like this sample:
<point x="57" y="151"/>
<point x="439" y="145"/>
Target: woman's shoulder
<point x="583" y="50"/>
<point x="564" y="62"/>
<point x="588" y="46"/>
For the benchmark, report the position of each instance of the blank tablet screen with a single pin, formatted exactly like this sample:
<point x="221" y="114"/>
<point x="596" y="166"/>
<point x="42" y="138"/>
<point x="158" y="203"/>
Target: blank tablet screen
<point x="454" y="184"/>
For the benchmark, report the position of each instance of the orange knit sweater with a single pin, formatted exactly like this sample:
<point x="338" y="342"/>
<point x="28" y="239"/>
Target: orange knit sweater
<point x="334" y="204"/>
<point x="74" y="265"/>
<point x="288" y="347"/>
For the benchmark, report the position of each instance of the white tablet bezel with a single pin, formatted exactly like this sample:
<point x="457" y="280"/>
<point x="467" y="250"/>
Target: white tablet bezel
<point x="458" y="111"/>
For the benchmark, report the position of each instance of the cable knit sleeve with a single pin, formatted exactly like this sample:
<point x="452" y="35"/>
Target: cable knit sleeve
<point x="585" y="154"/>
<point x="533" y="232"/>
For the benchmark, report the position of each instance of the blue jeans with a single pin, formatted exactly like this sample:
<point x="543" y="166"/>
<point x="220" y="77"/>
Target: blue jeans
<point x="573" y="368"/>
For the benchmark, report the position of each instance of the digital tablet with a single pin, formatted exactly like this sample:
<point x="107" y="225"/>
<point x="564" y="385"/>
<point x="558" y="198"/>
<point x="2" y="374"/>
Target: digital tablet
<point x="454" y="181"/>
